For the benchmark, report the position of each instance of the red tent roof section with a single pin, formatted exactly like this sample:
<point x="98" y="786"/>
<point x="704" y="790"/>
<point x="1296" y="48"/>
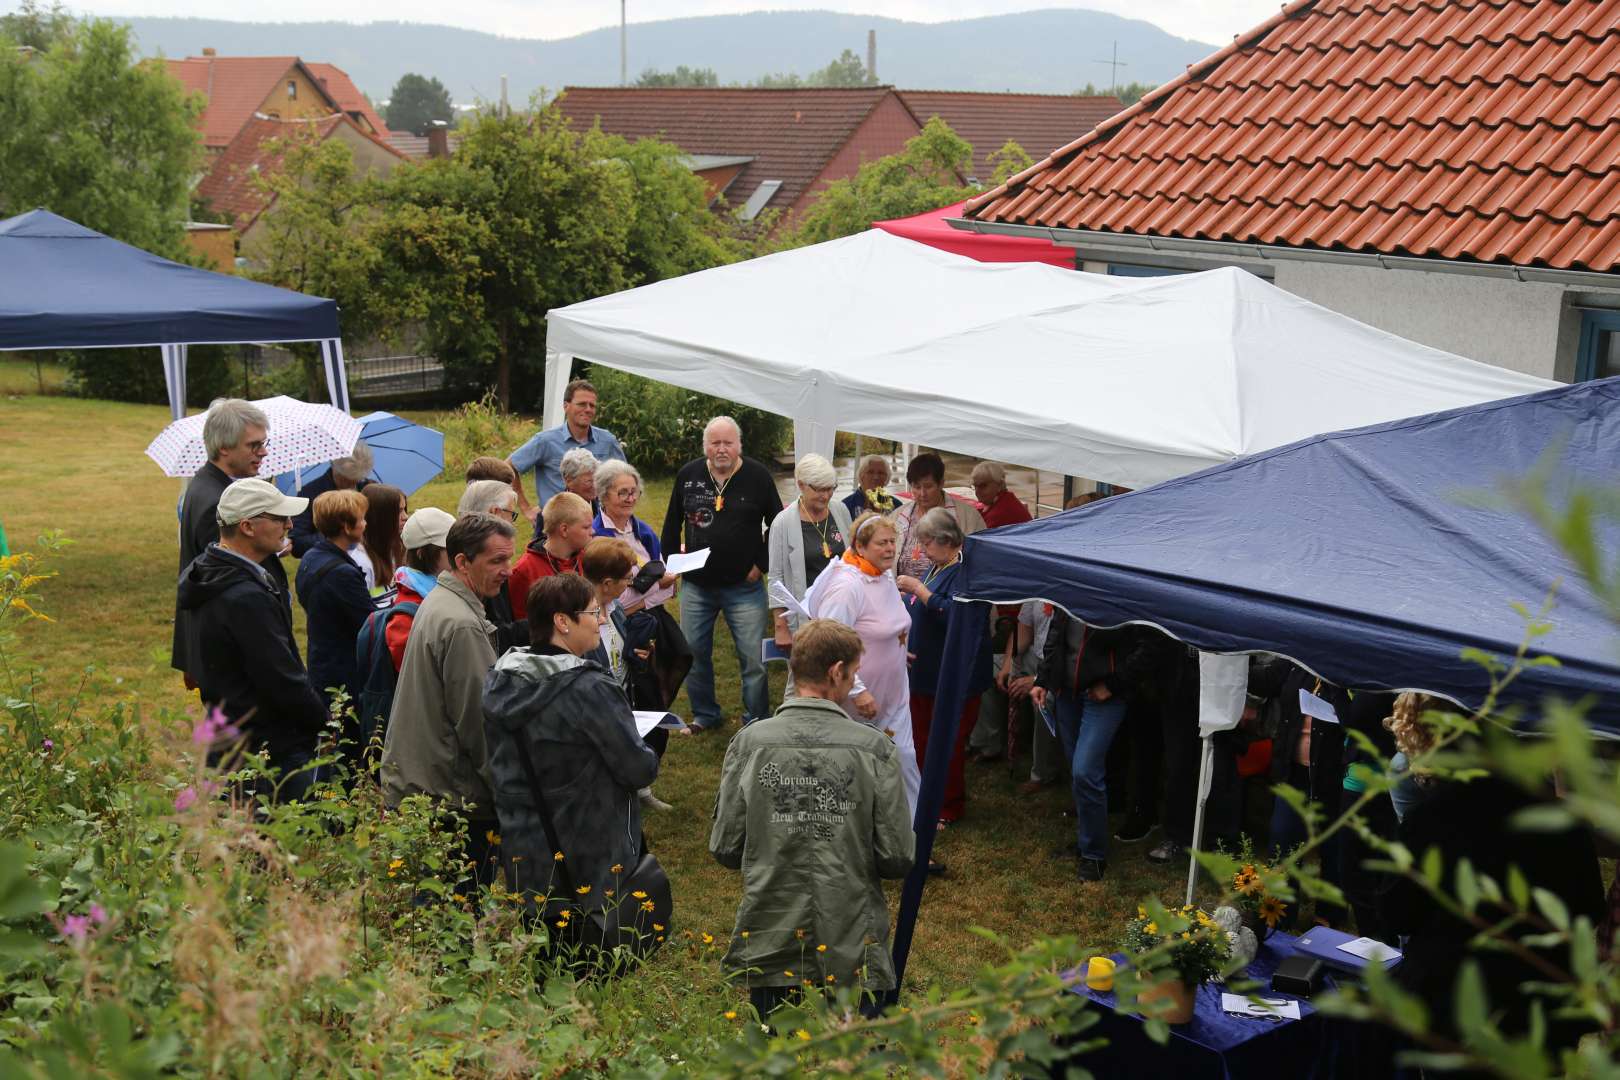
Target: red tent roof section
<point x="930" y="228"/>
<point x="1481" y="130"/>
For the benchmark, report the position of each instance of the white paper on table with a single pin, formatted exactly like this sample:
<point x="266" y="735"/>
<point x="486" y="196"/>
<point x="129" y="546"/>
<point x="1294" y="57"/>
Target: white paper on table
<point x="780" y="597"/>
<point x="646" y="721"/>
<point x="1238" y="1005"/>
<point x="1370" y="949"/>
<point x="1313" y="706"/>
<point x="687" y="560"/>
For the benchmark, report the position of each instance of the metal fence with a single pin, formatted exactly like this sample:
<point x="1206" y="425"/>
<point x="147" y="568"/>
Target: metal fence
<point x="393" y="376"/>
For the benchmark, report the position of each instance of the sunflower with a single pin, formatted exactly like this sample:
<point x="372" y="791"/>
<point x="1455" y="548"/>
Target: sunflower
<point x="1247" y="882"/>
<point x="1271" y="910"/>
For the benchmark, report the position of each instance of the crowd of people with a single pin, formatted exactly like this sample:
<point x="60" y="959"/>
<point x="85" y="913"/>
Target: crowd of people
<point x="501" y="679"/>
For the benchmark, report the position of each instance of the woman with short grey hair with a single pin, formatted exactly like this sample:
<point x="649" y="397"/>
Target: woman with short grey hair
<point x="932" y="603"/>
<point x="805" y="537"/>
<point x="872" y="477"/>
<point x="618" y="487"/>
<point x="578" y="471"/>
<point x="489" y="497"/>
<point x="355" y="467"/>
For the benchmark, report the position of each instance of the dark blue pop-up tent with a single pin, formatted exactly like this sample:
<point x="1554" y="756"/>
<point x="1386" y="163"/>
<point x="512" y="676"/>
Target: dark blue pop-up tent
<point x="63" y="286"/>
<point x="1368" y="556"/>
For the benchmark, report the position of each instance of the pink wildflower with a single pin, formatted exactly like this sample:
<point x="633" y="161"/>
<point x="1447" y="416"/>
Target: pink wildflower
<point x="98" y="914"/>
<point x="213" y="727"/>
<point x="184" y="800"/>
<point x="48" y="745"/>
<point x="74" y="927"/>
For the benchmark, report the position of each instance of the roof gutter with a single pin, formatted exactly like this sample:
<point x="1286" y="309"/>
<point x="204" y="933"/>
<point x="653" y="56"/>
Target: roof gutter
<point x="1226" y="249"/>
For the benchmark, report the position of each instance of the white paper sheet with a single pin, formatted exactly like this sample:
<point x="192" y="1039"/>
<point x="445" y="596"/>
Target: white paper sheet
<point x="780" y="597"/>
<point x="646" y="721"/>
<point x="687" y="560"/>
<point x="1370" y="949"/>
<point x="1238" y="1005"/>
<point x="1313" y="706"/>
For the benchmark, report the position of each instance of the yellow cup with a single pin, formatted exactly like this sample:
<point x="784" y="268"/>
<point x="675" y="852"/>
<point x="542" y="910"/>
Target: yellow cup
<point x="1100" y="974"/>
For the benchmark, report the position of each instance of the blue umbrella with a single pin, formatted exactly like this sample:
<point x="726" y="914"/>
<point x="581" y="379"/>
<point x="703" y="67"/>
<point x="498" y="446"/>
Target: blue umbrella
<point x="404" y="454"/>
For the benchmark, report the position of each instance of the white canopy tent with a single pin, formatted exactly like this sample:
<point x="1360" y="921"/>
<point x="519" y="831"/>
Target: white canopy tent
<point x="1131" y="381"/>
<point x="1126" y="380"/>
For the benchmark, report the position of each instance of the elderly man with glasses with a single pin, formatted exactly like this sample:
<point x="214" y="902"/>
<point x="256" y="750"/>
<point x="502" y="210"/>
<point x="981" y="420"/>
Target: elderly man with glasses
<point x="236" y="438"/>
<point x="240" y="646"/>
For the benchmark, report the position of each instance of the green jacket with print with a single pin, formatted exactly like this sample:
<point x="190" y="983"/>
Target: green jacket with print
<point x="812" y="811"/>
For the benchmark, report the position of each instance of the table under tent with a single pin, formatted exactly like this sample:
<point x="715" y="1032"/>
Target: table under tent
<point x="1129" y="381"/>
<point x="63" y="286"/>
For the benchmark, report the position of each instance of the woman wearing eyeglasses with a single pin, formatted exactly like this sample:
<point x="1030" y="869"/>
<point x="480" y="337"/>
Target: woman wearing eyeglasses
<point x="618" y="486"/>
<point x="806" y="537"/>
<point x="553" y="713"/>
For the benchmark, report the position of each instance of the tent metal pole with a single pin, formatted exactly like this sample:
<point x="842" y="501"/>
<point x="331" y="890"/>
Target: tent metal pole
<point x="1206" y="770"/>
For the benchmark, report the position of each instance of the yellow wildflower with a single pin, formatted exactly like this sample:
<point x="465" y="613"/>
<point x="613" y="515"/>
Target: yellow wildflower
<point x="616" y="868"/>
<point x="799" y="934"/>
<point x="607" y="892"/>
<point x="583" y="889"/>
<point x="640" y="894"/>
<point x="1152" y="928"/>
<point x="832" y="978"/>
<point x="789" y="974"/>
<point x="821" y="948"/>
<point x="802" y="1034"/>
<point x="557" y="857"/>
<point x="1271" y="910"/>
<point x="708" y="939"/>
<point x="658" y="926"/>
<point x="396" y="864"/>
<point x="731" y="1014"/>
<point x="492" y="836"/>
<point x="745" y="935"/>
<point x="647" y="905"/>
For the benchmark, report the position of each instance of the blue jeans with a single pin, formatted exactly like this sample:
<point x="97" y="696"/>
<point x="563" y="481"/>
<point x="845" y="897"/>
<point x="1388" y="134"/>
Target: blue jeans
<point x="743" y="605"/>
<point x="1087" y="730"/>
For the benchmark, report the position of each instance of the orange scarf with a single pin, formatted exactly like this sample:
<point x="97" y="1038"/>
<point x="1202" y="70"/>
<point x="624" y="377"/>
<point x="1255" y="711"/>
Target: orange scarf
<point x="860" y="563"/>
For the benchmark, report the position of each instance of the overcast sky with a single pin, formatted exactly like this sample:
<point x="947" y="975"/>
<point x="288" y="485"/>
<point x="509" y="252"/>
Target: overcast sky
<point x="1204" y="20"/>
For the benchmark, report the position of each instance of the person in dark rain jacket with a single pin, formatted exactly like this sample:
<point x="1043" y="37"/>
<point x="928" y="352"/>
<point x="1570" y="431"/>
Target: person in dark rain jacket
<point x="332" y="590"/>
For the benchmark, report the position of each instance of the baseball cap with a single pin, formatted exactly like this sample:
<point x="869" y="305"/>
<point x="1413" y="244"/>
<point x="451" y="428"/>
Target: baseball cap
<point x="250" y="498"/>
<point x="429" y="525"/>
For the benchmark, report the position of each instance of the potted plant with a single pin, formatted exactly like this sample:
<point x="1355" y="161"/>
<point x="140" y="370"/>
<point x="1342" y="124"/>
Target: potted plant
<point x="1253" y="888"/>
<point x="1176" y="950"/>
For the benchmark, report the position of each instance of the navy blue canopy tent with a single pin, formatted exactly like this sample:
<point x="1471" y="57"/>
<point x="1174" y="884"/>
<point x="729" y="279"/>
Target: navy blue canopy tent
<point x="63" y="286"/>
<point x="1367" y="556"/>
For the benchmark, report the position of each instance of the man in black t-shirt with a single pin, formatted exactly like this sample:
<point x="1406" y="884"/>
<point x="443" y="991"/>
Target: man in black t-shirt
<point x="723" y="502"/>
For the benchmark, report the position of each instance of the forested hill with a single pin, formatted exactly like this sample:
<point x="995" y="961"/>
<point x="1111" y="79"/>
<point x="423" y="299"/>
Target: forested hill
<point x="1053" y="51"/>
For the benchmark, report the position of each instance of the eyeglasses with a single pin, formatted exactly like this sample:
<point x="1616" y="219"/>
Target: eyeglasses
<point x="595" y="613"/>
<point x="282" y="518"/>
<point x="259" y="444"/>
<point x="511" y="514"/>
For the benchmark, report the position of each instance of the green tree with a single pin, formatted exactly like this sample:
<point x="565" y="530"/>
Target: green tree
<point x="37" y="27"/>
<point x="528" y="215"/>
<point x="848" y="70"/>
<point x="416" y="102"/>
<point x="1008" y="162"/>
<point x="926" y="175"/>
<point x="1128" y="94"/>
<point x="681" y="76"/>
<point x="673" y="231"/>
<point x="89" y="133"/>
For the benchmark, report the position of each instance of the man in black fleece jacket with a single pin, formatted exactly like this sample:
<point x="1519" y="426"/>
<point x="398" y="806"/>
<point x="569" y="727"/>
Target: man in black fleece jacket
<point x="240" y="649"/>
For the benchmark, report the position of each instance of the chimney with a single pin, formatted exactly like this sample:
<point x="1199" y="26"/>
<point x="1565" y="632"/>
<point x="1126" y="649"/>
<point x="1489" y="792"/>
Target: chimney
<point x="871" y="56"/>
<point x="507" y="111"/>
<point x="209" y="52"/>
<point x="438" y="136"/>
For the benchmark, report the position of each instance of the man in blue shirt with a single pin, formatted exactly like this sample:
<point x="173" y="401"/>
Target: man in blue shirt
<point x="544" y="452"/>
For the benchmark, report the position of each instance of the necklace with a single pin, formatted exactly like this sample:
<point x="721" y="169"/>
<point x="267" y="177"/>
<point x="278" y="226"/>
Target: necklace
<point x="822" y="528"/>
<point x="720" y="489"/>
<point x="935" y="572"/>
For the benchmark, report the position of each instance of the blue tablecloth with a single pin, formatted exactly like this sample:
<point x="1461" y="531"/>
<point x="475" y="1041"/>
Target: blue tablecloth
<point x="1215" y="1044"/>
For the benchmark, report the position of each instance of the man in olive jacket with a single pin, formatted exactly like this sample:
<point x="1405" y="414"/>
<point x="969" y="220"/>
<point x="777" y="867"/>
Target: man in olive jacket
<point x="811" y="809"/>
<point x="435" y="741"/>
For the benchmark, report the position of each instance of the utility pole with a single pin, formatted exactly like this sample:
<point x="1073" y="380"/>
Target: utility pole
<point x="624" y="49"/>
<point x="1114" y="65"/>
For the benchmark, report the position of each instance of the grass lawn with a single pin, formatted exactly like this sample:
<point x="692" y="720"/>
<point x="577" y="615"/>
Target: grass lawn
<point x="78" y="466"/>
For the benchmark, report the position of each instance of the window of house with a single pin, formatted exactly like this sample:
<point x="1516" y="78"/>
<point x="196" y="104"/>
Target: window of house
<point x="1599" y="354"/>
<point x="292" y="89"/>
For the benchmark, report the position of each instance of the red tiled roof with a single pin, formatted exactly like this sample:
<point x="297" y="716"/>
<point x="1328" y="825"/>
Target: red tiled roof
<point x="235" y="86"/>
<point x="1483" y="130"/>
<point x="229" y="188"/>
<point x="790" y="134"/>
<point x="336" y="82"/>
<point x="1036" y="122"/>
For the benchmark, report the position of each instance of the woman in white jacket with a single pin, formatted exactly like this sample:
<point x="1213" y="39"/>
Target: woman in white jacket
<point x="808" y="535"/>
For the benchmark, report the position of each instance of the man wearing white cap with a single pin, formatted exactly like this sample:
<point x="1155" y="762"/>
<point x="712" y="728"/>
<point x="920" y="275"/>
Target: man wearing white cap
<point x="240" y="647"/>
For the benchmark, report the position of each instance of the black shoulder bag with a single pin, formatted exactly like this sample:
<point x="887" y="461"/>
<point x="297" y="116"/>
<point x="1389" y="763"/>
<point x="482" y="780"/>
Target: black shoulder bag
<point x="641" y="900"/>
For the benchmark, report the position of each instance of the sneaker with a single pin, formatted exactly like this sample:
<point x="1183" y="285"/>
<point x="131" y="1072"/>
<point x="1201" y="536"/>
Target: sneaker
<point x="651" y="801"/>
<point x="1092" y="869"/>
<point x="1134" y="829"/>
<point x="1167" y="851"/>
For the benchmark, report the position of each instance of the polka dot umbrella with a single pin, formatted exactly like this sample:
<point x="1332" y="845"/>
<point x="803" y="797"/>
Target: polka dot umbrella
<point x="301" y="434"/>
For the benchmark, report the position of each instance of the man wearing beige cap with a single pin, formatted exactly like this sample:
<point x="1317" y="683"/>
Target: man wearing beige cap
<point x="240" y="648"/>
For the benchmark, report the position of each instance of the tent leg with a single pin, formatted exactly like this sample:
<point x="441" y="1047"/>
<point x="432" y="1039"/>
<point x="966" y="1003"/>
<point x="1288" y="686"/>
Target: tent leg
<point x="559" y="366"/>
<point x="1206" y="771"/>
<point x="174" y="378"/>
<point x="337" y="379"/>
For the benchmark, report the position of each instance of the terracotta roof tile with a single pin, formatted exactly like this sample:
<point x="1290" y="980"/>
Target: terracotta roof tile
<point x="336" y="82"/>
<point x="235" y="86"/>
<point x="1036" y="122"/>
<point x="790" y="134"/>
<point x="1485" y="130"/>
